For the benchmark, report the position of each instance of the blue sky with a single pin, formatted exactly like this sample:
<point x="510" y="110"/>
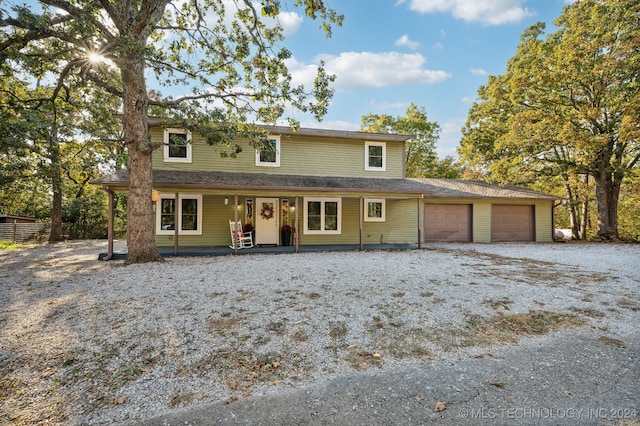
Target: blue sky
<point x="433" y="53"/>
<point x="391" y="53"/>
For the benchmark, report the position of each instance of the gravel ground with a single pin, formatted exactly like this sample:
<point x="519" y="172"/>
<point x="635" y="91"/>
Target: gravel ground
<point x="88" y="342"/>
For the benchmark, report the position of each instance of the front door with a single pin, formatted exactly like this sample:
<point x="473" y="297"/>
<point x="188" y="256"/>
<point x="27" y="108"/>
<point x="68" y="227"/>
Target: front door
<point x="266" y="221"/>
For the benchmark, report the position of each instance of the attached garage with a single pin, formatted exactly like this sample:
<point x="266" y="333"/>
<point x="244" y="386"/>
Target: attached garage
<point x="512" y="223"/>
<point x="447" y="222"/>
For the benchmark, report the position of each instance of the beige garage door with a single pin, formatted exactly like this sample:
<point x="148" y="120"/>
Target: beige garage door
<point x="512" y="223"/>
<point x="447" y="222"/>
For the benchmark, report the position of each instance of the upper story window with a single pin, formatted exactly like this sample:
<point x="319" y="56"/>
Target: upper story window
<point x="374" y="210"/>
<point x="189" y="208"/>
<point x="269" y="154"/>
<point x="322" y="215"/>
<point x="177" y="146"/>
<point x="375" y="156"/>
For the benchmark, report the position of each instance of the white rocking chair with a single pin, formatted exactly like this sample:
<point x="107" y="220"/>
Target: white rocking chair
<point x="239" y="239"/>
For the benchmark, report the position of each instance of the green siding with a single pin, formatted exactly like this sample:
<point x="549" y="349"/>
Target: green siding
<point x="481" y="222"/>
<point x="298" y="156"/>
<point x="400" y="226"/>
<point x="215" y="225"/>
<point x="544" y="221"/>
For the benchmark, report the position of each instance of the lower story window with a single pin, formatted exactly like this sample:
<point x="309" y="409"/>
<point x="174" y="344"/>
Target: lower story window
<point x="374" y="210"/>
<point x="189" y="209"/>
<point x="322" y="215"/>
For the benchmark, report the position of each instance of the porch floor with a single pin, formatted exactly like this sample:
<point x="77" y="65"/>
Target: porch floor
<point x="226" y="251"/>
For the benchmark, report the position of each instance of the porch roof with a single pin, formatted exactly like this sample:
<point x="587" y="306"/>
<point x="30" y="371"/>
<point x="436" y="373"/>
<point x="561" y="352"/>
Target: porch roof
<point x="428" y="188"/>
<point x="179" y="179"/>
<point x="455" y="188"/>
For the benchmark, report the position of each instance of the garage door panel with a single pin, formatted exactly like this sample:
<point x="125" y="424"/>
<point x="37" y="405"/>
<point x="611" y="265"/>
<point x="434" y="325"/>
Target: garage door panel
<point x="512" y="223"/>
<point x="448" y="222"/>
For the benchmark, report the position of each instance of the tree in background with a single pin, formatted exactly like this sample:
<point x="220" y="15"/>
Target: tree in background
<point x="421" y="158"/>
<point x="47" y="128"/>
<point x="225" y="53"/>
<point x="566" y="107"/>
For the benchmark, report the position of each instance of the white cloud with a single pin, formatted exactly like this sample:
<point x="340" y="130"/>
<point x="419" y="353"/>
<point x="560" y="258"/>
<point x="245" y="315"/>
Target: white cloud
<point x="405" y="41"/>
<point x="438" y="45"/>
<point x="359" y="70"/>
<point x="289" y="21"/>
<point x="467" y="100"/>
<point x="487" y="12"/>
<point x="478" y="71"/>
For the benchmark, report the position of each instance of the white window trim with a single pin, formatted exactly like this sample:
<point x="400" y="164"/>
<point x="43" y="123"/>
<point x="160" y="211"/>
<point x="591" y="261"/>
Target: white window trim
<point x="168" y="159"/>
<point x="322" y="231"/>
<point x="367" y="167"/>
<point x="382" y="201"/>
<point x="269" y="164"/>
<point x="181" y="197"/>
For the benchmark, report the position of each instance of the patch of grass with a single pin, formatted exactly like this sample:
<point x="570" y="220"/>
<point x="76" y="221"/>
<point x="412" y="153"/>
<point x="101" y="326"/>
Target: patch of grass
<point x="276" y="327"/>
<point x="535" y="322"/>
<point x="363" y="360"/>
<point x="628" y="304"/>
<point x="10" y="245"/>
<point x="611" y="342"/>
<point x="224" y="323"/>
<point x="338" y="329"/>
<point x="299" y="335"/>
<point x="408" y="344"/>
<point x="181" y="399"/>
<point x="481" y="331"/>
<point x="498" y="305"/>
<point x="589" y="312"/>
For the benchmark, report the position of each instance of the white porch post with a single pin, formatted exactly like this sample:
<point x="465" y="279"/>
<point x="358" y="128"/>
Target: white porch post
<point x="235" y="219"/>
<point x="419" y="234"/>
<point x="361" y="221"/>
<point x="175" y="223"/>
<point x="110" y="215"/>
<point x="296" y="228"/>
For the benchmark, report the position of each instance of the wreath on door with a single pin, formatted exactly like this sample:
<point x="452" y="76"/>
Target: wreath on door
<point x="267" y="211"/>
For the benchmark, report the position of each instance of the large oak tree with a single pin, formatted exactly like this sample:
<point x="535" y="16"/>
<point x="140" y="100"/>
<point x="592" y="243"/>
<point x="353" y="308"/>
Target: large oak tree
<point x="567" y="106"/>
<point x="225" y="52"/>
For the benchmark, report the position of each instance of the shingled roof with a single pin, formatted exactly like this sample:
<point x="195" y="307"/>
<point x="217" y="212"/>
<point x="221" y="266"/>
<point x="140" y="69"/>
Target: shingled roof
<point x="429" y="188"/>
<point x="453" y="188"/>
<point x="268" y="181"/>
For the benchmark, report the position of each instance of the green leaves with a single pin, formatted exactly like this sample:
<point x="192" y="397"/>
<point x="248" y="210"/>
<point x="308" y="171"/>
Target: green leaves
<point x="567" y="102"/>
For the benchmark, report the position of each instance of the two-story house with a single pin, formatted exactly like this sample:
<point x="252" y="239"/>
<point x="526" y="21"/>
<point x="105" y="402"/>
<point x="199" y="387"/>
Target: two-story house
<point x="331" y="187"/>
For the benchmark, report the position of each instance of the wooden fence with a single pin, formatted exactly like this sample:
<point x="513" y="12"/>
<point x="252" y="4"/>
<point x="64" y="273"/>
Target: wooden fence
<point x="21" y="232"/>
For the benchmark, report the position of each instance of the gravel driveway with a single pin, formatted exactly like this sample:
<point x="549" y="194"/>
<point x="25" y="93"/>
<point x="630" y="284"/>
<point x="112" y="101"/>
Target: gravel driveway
<point x="355" y="337"/>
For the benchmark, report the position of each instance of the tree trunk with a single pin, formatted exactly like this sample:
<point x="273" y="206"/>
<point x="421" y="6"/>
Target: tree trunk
<point x="607" y="194"/>
<point x="584" y="219"/>
<point x="55" y="233"/>
<point x="140" y="221"/>
<point x="573" y="214"/>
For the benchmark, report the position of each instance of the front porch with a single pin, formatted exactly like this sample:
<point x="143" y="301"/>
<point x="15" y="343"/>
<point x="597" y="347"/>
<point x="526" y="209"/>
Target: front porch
<point x="120" y="253"/>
